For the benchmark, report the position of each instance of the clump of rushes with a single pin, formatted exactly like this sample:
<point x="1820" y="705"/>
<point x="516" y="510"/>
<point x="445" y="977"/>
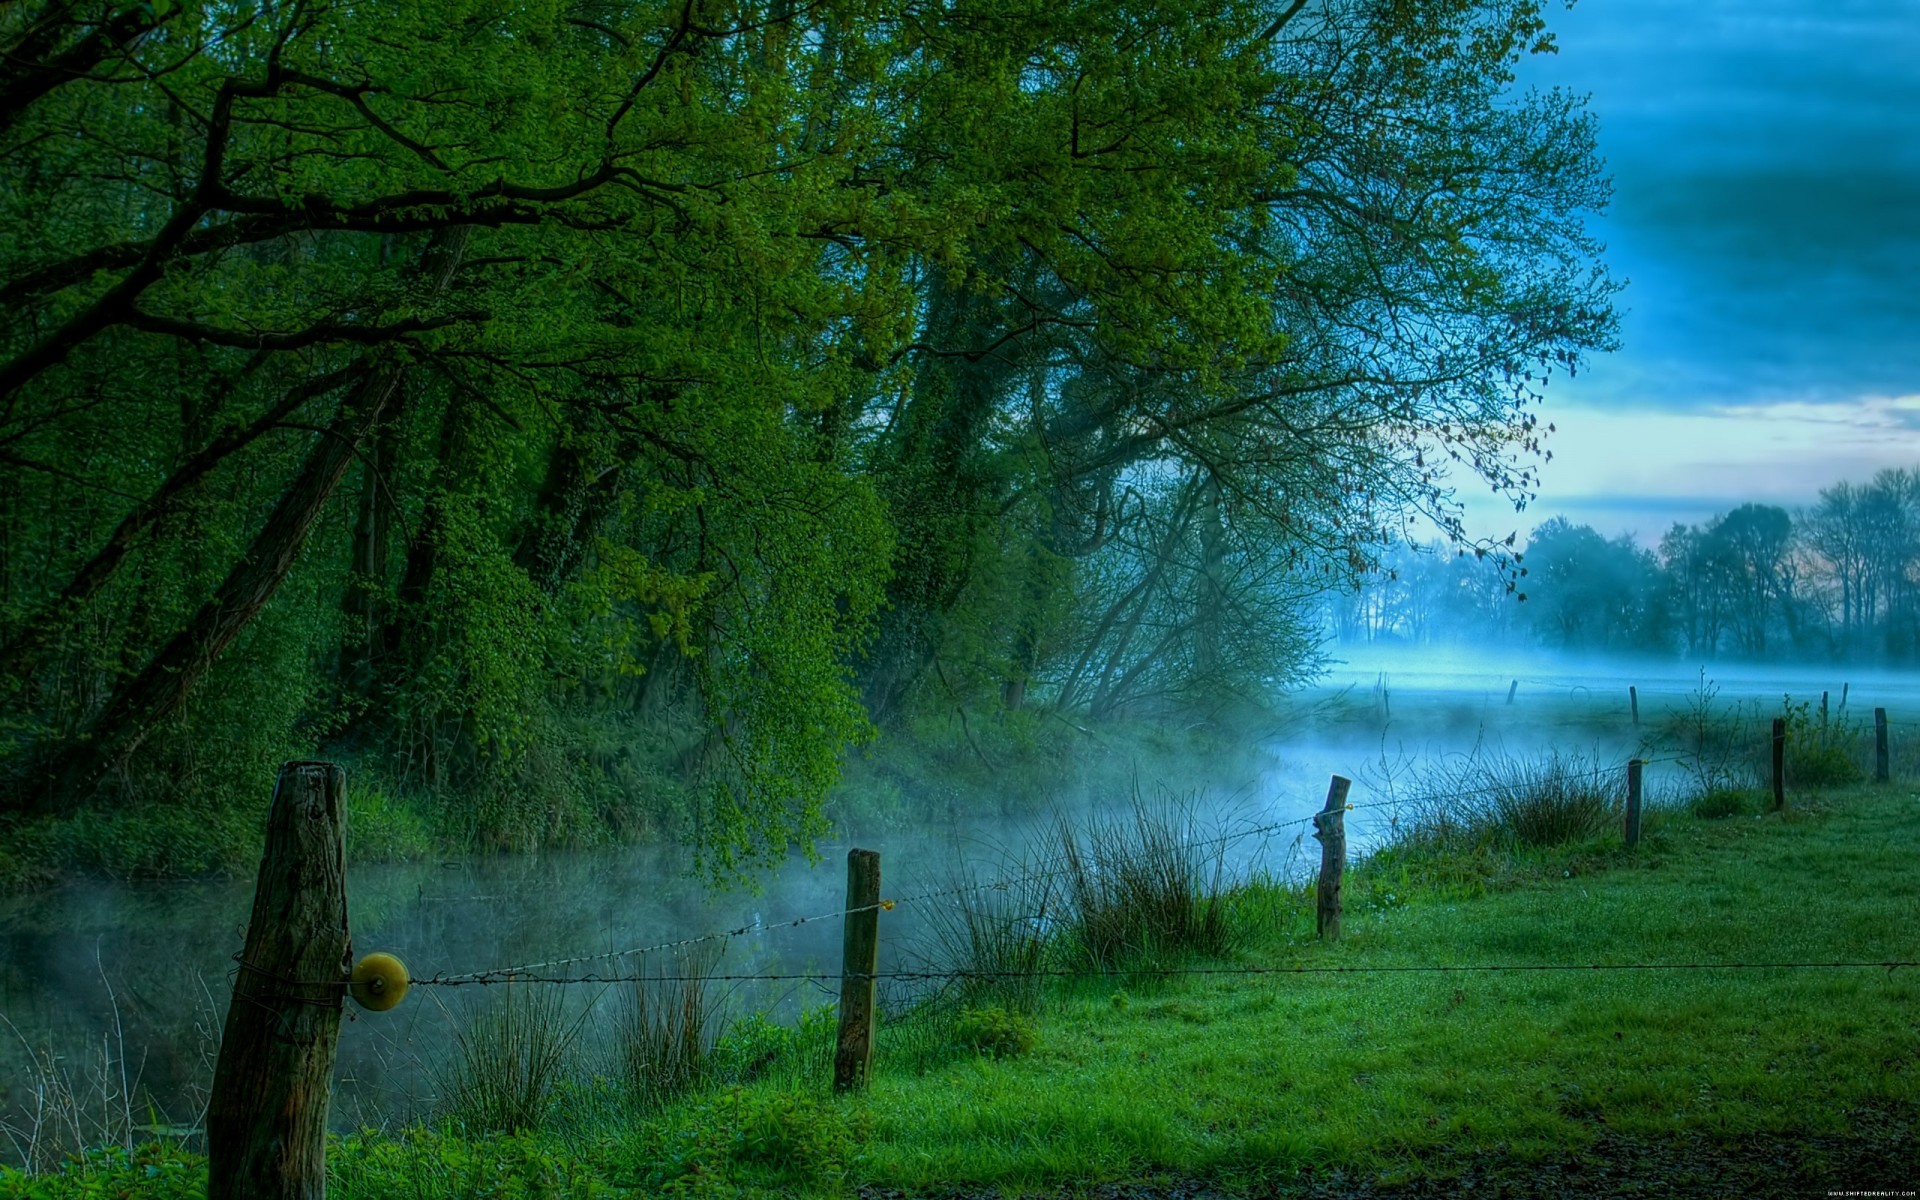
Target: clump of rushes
<point x="669" y="1026"/>
<point x="993" y="937"/>
<point x="1508" y="802"/>
<point x="1149" y="883"/>
<point x="509" y="1061"/>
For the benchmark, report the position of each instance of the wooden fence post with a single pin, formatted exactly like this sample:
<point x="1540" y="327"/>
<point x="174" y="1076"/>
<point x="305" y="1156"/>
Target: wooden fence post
<point x="267" y="1115"/>
<point x="1512" y="690"/>
<point x="1330" y="827"/>
<point x="1633" y="801"/>
<point x="1823" y="708"/>
<point x="1843" y="695"/>
<point x="1633" y="698"/>
<point x="1880" y="745"/>
<point x="1779" y="763"/>
<point x="853" y="1059"/>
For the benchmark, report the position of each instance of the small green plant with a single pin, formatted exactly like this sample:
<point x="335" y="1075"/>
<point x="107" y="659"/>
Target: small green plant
<point x="1146" y="885"/>
<point x="1723" y="802"/>
<point x="994" y="939"/>
<point x="509" y="1061"/>
<point x="1821" y="751"/>
<point x="994" y="1032"/>
<point x="667" y="1031"/>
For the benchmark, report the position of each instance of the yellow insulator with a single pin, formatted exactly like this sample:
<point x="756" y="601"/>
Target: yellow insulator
<point x="379" y="982"/>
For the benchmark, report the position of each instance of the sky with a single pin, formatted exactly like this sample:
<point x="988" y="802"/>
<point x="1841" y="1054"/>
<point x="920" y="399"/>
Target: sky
<point x="1765" y="157"/>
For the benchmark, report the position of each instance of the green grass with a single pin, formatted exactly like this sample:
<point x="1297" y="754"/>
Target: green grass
<point x="1257" y="1078"/>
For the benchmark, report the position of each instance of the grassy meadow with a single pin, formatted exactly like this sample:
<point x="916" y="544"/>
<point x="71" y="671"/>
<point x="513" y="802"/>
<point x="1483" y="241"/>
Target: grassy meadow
<point x="1276" y="1064"/>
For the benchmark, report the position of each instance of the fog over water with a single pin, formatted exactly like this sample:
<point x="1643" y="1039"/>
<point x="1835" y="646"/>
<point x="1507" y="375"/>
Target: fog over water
<point x="162" y="952"/>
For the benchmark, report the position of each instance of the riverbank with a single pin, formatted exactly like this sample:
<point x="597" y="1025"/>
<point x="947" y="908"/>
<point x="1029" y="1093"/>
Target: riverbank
<point x="1384" y="1078"/>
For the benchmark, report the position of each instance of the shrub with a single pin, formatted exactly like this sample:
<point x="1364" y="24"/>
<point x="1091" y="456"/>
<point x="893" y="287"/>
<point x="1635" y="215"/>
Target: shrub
<point x="509" y="1060"/>
<point x="1721" y="802"/>
<point x="1152" y="883"/>
<point x="994" y="938"/>
<point x="1507" y="802"/>
<point x="1820" y="752"/>
<point x="994" y="1032"/>
<point x="669" y="1027"/>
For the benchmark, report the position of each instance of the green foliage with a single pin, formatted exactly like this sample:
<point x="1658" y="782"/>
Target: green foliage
<point x="598" y="427"/>
<point x="994" y="1032"/>
<point x="1724" y="802"/>
<point x="1502" y="802"/>
<point x="668" y="1029"/>
<point x="1144" y="886"/>
<point x="509" y="1060"/>
<point x="1821" y="752"/>
<point x="153" y="1171"/>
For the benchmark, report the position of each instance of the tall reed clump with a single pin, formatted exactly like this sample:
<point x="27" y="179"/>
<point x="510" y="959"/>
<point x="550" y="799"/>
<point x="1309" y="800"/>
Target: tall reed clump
<point x="1510" y="802"/>
<point x="992" y="938"/>
<point x="1148" y="883"/>
<point x="669" y="1026"/>
<point x="510" y="1059"/>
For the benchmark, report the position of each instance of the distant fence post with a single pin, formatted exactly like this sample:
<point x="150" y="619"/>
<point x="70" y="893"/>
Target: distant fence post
<point x="853" y="1057"/>
<point x="267" y="1115"/>
<point x="1880" y="745"/>
<point x="1633" y="801"/>
<point x="1843" y="695"/>
<point x="1823" y="708"/>
<point x="1633" y="698"/>
<point x="1330" y="827"/>
<point x="1512" y="690"/>
<point x="1779" y="763"/>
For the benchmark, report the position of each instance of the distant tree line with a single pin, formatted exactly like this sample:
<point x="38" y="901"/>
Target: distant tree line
<point x="1839" y="580"/>
<point x="607" y="412"/>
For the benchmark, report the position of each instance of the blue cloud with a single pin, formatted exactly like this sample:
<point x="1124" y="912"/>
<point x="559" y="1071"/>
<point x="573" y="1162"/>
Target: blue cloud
<point x="1767" y="194"/>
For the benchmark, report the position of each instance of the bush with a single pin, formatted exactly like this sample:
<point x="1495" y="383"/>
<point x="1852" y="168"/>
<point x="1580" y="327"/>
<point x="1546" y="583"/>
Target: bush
<point x="669" y="1027"/>
<point x="1506" y="802"/>
<point x="1143" y="886"/>
<point x="994" y="938"/>
<point x="1821" y="752"/>
<point x="1722" y="802"/>
<point x="510" y="1060"/>
<point x="994" y="1032"/>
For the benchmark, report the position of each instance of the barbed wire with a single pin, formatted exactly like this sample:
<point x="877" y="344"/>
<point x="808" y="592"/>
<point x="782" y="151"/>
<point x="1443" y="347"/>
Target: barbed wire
<point x="529" y="971"/>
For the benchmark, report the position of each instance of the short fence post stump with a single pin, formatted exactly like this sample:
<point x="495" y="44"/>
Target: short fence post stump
<point x="853" y="1054"/>
<point x="1330" y="827"/>
<point x="1779" y="763"/>
<point x="1512" y="690"/>
<point x="1633" y="801"/>
<point x="1880" y="774"/>
<point x="267" y="1115"/>
<point x="1843" y="695"/>
<point x="1633" y="699"/>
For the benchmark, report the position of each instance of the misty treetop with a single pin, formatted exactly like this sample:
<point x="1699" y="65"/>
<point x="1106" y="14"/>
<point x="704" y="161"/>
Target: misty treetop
<point x="591" y="415"/>
<point x="1837" y="581"/>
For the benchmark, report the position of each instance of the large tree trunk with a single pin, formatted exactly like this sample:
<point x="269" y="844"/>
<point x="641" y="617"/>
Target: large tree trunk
<point x="21" y="655"/>
<point x="940" y="489"/>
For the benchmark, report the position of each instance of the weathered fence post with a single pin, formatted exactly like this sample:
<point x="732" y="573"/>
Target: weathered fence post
<point x="853" y="1059"/>
<point x="1779" y="763"/>
<point x="1880" y="745"/>
<point x="1330" y="827"/>
<point x="1633" y="801"/>
<point x="267" y="1115"/>
<point x="1823" y="708"/>
<point x="1512" y="690"/>
<point x="1843" y="695"/>
<point x="1633" y="698"/>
